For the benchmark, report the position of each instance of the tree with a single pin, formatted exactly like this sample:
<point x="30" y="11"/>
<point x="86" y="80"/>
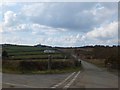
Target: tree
<point x="4" y="55"/>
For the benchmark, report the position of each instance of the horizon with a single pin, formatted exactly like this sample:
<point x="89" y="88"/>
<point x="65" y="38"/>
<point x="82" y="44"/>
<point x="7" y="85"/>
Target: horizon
<point x="65" y="24"/>
<point x="61" y="46"/>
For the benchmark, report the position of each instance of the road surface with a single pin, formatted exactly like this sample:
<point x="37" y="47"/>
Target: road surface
<point x="31" y="81"/>
<point x="90" y="77"/>
<point x="94" y="77"/>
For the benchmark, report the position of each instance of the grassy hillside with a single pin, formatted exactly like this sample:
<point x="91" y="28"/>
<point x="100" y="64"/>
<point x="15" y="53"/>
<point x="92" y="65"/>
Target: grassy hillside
<point x="28" y="59"/>
<point x="16" y="52"/>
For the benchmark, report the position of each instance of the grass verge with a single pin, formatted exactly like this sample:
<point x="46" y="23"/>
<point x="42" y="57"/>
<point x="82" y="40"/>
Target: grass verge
<point x="56" y="71"/>
<point x="97" y="62"/>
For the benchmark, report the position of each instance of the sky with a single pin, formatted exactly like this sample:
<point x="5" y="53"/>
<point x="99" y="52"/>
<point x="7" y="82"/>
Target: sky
<point x="64" y="24"/>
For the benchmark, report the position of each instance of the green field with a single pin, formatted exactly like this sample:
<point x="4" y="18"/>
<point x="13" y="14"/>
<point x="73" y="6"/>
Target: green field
<point x="31" y="59"/>
<point x="31" y="53"/>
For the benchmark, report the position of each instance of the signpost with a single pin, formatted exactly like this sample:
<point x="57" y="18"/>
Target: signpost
<point x="49" y="62"/>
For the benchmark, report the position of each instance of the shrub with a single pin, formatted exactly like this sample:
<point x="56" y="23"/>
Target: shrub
<point x="43" y="64"/>
<point x="4" y="55"/>
<point x="33" y="65"/>
<point x="10" y="65"/>
<point x="36" y="65"/>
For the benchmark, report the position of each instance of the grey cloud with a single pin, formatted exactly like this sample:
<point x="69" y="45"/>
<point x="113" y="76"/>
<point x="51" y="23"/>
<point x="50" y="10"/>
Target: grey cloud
<point x="66" y="15"/>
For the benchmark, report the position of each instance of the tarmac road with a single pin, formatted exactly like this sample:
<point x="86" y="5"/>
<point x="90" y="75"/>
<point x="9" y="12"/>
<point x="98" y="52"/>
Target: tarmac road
<point x="94" y="77"/>
<point x="31" y="81"/>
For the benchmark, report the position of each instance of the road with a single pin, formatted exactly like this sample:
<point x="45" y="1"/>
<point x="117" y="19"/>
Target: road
<point x="31" y="81"/>
<point x="94" y="77"/>
<point x="90" y="77"/>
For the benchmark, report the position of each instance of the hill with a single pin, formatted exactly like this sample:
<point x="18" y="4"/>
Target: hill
<point x="37" y="59"/>
<point x="19" y="52"/>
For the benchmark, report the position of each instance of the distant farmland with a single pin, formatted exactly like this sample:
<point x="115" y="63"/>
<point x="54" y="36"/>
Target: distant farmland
<point x="31" y="52"/>
<point x="23" y="59"/>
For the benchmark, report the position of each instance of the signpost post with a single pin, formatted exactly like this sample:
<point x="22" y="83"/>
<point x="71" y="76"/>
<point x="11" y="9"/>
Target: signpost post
<point x="49" y="62"/>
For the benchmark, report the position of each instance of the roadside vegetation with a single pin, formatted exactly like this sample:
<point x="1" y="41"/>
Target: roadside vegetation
<point x="103" y="56"/>
<point x="33" y="59"/>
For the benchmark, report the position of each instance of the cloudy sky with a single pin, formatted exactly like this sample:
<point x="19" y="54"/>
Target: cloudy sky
<point x="59" y="24"/>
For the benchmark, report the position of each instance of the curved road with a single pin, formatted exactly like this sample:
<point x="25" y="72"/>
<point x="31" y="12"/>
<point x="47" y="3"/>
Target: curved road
<point x="90" y="77"/>
<point x="94" y="77"/>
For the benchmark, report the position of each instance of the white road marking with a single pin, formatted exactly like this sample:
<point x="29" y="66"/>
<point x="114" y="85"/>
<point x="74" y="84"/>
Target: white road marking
<point x="20" y="85"/>
<point x="68" y="85"/>
<point x="63" y="80"/>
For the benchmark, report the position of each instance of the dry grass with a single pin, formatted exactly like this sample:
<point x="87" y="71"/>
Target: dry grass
<point x="97" y="62"/>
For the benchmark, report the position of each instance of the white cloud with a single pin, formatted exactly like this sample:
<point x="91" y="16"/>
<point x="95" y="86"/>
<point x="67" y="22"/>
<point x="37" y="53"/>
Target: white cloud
<point x="104" y="32"/>
<point x="9" y="4"/>
<point x="16" y="39"/>
<point x="1" y="33"/>
<point x="37" y="28"/>
<point x="68" y="40"/>
<point x="33" y="9"/>
<point x="104" y="35"/>
<point x="0" y="9"/>
<point x="1" y="30"/>
<point x="10" y="18"/>
<point x="103" y="13"/>
<point x="14" y="22"/>
<point x="97" y="11"/>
